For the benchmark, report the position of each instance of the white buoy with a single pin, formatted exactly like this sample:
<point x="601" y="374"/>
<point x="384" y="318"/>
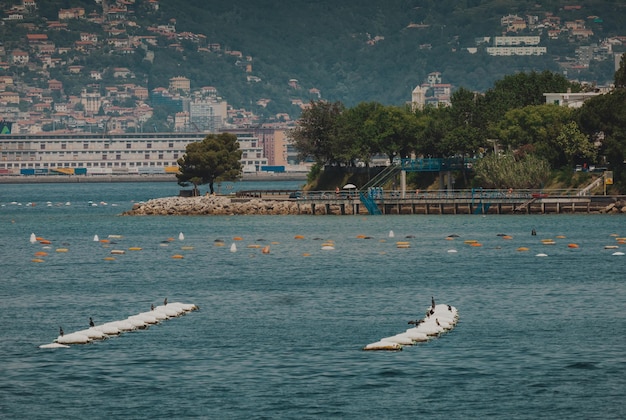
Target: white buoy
<point x="181" y="237"/>
<point x="33" y="238"/>
<point x="95" y="238"/>
<point x="452" y="251"/>
<point x="53" y="346"/>
<point x="400" y="339"/>
<point x="391" y="234"/>
<point x="233" y="248"/>
<point x="74" y="338"/>
<point x="541" y="255"/>
<point x="617" y="253"/>
<point x="383" y="345"/>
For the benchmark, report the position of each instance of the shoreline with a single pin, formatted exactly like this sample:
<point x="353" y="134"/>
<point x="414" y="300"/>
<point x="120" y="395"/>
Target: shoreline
<point x="282" y="205"/>
<point x="75" y="179"/>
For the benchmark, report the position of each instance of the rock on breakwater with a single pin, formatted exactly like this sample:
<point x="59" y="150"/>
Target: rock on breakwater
<point x="215" y="205"/>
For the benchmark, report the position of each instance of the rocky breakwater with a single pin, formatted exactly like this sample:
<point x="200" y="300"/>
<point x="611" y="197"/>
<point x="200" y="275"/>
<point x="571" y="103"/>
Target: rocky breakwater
<point x="214" y="205"/>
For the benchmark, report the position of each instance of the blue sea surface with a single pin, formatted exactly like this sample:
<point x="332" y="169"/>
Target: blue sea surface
<point x="280" y="335"/>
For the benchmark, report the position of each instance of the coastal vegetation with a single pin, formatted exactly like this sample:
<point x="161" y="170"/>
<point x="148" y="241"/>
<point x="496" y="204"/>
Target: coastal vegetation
<point x="214" y="159"/>
<point x="515" y="138"/>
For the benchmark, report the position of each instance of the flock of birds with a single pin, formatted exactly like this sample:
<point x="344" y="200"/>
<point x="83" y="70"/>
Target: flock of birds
<point x="438" y="320"/>
<point x="114" y="328"/>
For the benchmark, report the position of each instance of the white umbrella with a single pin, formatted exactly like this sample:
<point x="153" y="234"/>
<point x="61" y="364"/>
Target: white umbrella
<point x="349" y="187"/>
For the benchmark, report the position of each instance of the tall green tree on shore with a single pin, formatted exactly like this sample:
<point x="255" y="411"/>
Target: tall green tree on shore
<point x="316" y="132"/>
<point x="214" y="159"/>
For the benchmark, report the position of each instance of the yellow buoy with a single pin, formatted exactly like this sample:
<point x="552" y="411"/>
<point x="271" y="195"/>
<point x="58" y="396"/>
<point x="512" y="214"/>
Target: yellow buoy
<point x="37" y="260"/>
<point x="62" y="250"/>
<point x="306" y="254"/>
<point x="186" y="248"/>
<point x="470" y="241"/>
<point x="522" y="248"/>
<point x="275" y="243"/>
<point x="218" y="243"/>
<point x="254" y="246"/>
<point x="403" y="244"/>
<point x="109" y="258"/>
<point x="134" y="248"/>
<point x="560" y="236"/>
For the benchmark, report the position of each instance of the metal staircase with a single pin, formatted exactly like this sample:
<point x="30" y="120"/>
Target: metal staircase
<point x="369" y="204"/>
<point x="382" y="177"/>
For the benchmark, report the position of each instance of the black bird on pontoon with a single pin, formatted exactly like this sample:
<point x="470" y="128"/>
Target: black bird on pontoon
<point x="91" y="323"/>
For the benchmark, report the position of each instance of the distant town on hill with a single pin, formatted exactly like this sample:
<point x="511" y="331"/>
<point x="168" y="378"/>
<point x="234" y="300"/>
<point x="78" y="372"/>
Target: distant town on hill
<point x="202" y="66"/>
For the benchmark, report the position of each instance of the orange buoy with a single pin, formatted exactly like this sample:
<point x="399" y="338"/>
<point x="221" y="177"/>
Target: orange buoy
<point x="299" y="237"/>
<point x="237" y="238"/>
<point x="476" y="244"/>
<point x="45" y="242"/>
<point x="266" y="249"/>
<point x="522" y="248"/>
<point x="507" y="237"/>
<point x="572" y="245"/>
<point x="104" y="241"/>
<point x="41" y="254"/>
<point x="177" y="257"/>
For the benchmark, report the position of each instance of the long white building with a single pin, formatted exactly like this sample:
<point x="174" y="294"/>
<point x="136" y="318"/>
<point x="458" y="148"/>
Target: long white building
<point x="142" y="153"/>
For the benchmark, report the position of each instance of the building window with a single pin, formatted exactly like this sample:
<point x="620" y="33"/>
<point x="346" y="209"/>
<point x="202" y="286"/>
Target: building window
<point x="149" y="146"/>
<point x="106" y="145"/>
<point x="147" y="156"/>
<point x="128" y="145"/>
<point x="104" y="157"/>
<point x="170" y="145"/>
<point x="118" y="157"/>
<point x="85" y="146"/>
<point x="175" y="155"/>
<point x="160" y="156"/>
<point x="42" y="146"/>
<point x="63" y="146"/>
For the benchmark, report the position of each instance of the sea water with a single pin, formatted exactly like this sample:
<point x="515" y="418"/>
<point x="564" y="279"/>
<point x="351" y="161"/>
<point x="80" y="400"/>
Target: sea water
<point x="280" y="335"/>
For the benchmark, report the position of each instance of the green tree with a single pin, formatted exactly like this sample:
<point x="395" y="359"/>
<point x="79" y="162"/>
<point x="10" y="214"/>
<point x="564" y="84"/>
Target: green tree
<point x="316" y="131"/>
<point x="392" y="130"/>
<point x="574" y="144"/>
<point x="353" y="142"/>
<point x="214" y="159"/>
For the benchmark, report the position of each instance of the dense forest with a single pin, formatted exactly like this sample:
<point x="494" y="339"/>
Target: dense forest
<point x="352" y="51"/>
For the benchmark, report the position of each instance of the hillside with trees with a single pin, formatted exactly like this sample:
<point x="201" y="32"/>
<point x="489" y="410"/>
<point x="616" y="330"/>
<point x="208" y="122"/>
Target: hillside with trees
<point x="349" y="51"/>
